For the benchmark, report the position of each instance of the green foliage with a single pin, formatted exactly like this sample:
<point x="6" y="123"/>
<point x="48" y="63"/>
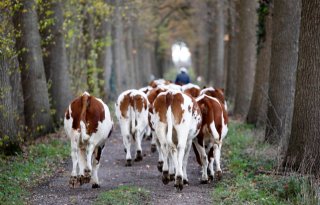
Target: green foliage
<point x="124" y="195"/>
<point x="21" y="172"/>
<point x="246" y="154"/>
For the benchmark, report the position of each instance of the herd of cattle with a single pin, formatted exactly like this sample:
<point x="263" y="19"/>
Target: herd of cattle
<point x="177" y="117"/>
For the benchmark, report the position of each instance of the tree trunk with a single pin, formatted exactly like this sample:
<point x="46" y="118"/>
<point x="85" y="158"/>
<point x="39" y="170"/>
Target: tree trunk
<point x="10" y="128"/>
<point x="216" y="46"/>
<point x="103" y="58"/>
<point x="258" y="107"/>
<point x="55" y="61"/>
<point x="35" y="91"/>
<point x="246" y="56"/>
<point x="303" y="152"/>
<point x="284" y="59"/>
<point x="119" y="52"/>
<point x="232" y="62"/>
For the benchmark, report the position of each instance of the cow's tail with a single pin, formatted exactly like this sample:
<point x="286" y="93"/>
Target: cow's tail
<point x="169" y="99"/>
<point x="133" y="116"/>
<point x="83" y="128"/>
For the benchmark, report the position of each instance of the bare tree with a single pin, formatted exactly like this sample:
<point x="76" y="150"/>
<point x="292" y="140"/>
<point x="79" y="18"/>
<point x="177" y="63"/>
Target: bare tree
<point x="55" y="59"/>
<point x="284" y="59"/>
<point x="215" y="72"/>
<point x="303" y="152"/>
<point x="232" y="50"/>
<point x="258" y="106"/>
<point x="246" y="56"/>
<point x="35" y="91"/>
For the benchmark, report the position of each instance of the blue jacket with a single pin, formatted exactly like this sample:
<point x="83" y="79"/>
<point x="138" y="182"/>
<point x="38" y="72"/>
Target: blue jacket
<point x="182" y="78"/>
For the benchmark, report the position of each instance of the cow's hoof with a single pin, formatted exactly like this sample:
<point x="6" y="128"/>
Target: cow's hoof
<point x="165" y="177"/>
<point x="138" y="157"/>
<point x="128" y="163"/>
<point x="74" y="182"/>
<point x="219" y="175"/>
<point x="185" y="182"/>
<point x="178" y="183"/>
<point x="204" y="181"/>
<point x="210" y="177"/>
<point x="172" y="177"/>
<point x="160" y="164"/>
<point x="153" y="148"/>
<point x="95" y="186"/>
<point x="84" y="179"/>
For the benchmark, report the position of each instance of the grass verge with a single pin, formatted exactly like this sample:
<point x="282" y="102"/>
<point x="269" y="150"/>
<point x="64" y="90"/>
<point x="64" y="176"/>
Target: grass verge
<point x="19" y="173"/>
<point x="246" y="156"/>
<point x="124" y="195"/>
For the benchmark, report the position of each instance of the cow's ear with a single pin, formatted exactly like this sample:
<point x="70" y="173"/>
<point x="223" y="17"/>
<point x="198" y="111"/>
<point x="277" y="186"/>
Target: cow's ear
<point x="204" y="87"/>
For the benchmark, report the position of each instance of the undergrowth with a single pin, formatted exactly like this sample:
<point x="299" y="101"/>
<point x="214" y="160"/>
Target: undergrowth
<point x="124" y="195"/>
<point x="250" y="178"/>
<point x="19" y="173"/>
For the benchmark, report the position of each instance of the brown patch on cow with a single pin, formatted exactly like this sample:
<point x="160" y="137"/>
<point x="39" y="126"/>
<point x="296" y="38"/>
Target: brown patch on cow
<point x="176" y="107"/>
<point x="137" y="102"/>
<point x="154" y="93"/>
<point x="160" y="108"/>
<point x="194" y="92"/>
<point x="211" y="111"/>
<point x="124" y="105"/>
<point x="89" y="110"/>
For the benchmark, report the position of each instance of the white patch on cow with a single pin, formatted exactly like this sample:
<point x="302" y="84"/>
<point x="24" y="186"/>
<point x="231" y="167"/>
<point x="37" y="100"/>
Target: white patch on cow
<point x="85" y="93"/>
<point x="188" y="86"/>
<point x="224" y="128"/>
<point x="206" y="89"/>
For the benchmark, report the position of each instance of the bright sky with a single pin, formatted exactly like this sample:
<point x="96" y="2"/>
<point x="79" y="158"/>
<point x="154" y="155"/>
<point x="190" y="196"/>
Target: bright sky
<point x="180" y="53"/>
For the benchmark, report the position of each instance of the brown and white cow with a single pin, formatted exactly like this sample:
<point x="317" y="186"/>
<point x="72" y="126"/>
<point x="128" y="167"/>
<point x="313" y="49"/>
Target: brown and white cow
<point x="214" y="128"/>
<point x="176" y="119"/>
<point x="88" y="124"/>
<point x="132" y="113"/>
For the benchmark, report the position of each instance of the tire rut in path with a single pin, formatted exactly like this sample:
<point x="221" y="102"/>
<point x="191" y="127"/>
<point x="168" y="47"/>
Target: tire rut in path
<point x="113" y="173"/>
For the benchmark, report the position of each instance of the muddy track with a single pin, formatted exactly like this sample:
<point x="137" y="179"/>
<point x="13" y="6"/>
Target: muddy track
<point x="113" y="173"/>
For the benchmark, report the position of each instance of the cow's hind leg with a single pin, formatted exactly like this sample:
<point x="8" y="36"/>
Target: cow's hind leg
<point x="217" y="153"/>
<point x="204" y="161"/>
<point x="185" y="162"/>
<point x="139" y="136"/>
<point x="95" y="167"/>
<point x="74" y="180"/>
<point x="127" y="146"/>
<point x="153" y="142"/>
<point x="82" y="166"/>
<point x="210" y="166"/>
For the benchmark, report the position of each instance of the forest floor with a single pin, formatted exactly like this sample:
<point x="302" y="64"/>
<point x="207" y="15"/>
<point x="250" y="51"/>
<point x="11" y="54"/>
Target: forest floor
<point x="249" y="177"/>
<point x="113" y="174"/>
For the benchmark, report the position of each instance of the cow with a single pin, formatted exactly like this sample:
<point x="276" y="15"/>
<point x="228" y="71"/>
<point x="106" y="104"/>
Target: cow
<point x="88" y="124"/>
<point x="177" y="120"/>
<point x="191" y="89"/>
<point x="214" y="128"/>
<point x="216" y="93"/>
<point x="132" y="113"/>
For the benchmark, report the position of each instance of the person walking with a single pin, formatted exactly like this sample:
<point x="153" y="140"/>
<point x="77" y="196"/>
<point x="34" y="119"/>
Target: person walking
<point x="183" y="77"/>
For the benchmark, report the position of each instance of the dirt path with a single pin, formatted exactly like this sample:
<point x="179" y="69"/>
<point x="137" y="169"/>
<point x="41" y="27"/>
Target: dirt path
<point x="113" y="173"/>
